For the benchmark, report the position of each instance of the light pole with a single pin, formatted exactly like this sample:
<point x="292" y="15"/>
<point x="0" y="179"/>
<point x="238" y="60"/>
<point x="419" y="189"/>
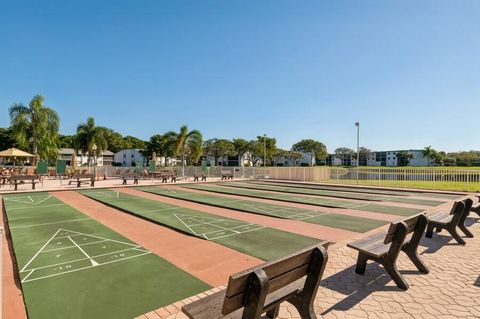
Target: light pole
<point x="357" y="124"/>
<point x="264" y="150"/>
<point x="94" y="149"/>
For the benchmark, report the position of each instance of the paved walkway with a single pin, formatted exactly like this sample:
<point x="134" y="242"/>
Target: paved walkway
<point x="450" y="290"/>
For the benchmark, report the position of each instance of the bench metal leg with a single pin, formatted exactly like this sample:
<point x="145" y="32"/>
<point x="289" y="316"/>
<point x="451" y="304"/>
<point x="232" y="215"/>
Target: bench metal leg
<point x="33" y="185"/>
<point x="415" y="258"/>
<point x="397" y="277"/>
<point x="429" y="233"/>
<point x="272" y="314"/>
<point x="456" y="236"/>
<point x="465" y="230"/>
<point x="361" y="264"/>
<point x="124" y="182"/>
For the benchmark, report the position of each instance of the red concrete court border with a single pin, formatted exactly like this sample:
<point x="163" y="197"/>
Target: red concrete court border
<point x="12" y="296"/>
<point x="293" y="226"/>
<point x="208" y="261"/>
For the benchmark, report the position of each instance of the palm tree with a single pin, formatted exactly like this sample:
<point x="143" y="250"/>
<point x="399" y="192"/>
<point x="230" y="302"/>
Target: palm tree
<point x="429" y="153"/>
<point x="36" y="127"/>
<point x="186" y="140"/>
<point x="89" y="135"/>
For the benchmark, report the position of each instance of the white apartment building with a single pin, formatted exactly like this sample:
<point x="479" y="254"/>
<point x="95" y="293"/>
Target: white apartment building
<point x="105" y="158"/>
<point x="390" y="158"/>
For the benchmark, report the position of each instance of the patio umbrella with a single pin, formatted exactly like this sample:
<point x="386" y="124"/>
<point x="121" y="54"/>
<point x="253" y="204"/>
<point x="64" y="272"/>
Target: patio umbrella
<point x="14" y="152"/>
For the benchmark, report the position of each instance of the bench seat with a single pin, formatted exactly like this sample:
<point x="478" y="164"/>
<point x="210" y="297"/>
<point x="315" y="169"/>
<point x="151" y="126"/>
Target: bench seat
<point x="450" y="221"/>
<point x="441" y="217"/>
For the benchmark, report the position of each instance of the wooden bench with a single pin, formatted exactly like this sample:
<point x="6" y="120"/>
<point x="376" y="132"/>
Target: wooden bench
<point x="475" y="207"/>
<point x="294" y="278"/>
<point x="84" y="178"/>
<point x="385" y="247"/>
<point x="450" y="221"/>
<point x="133" y="177"/>
<point x="166" y="175"/>
<point x="196" y="176"/>
<point x="31" y="179"/>
<point x="226" y="175"/>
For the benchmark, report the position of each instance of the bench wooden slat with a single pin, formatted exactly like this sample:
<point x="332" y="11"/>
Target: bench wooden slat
<point x="236" y="302"/>
<point x="237" y="283"/>
<point x="262" y="288"/>
<point x="211" y="307"/>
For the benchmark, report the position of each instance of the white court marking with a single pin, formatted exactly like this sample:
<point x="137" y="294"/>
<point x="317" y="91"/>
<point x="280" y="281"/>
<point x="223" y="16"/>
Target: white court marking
<point x="211" y="223"/>
<point x="65" y="233"/>
<point x="27" y="200"/>
<point x="52" y="223"/>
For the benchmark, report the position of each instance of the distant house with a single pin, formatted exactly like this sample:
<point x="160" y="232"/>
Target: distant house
<point x="390" y="158"/>
<point x="381" y="158"/>
<point x="104" y="159"/>
<point x="129" y="157"/>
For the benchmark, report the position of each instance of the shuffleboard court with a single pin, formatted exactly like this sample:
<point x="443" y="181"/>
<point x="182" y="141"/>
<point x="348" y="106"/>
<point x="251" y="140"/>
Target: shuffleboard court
<point x="71" y="266"/>
<point x="364" y="190"/>
<point x="375" y="208"/>
<point x="255" y="240"/>
<point x="351" y="223"/>
<point x="338" y="194"/>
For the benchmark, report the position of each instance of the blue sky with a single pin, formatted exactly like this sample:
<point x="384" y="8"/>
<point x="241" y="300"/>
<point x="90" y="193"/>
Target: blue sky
<point x="409" y="71"/>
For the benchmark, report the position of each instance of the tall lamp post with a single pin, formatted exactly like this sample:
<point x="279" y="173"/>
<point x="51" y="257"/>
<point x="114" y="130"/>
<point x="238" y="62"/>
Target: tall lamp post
<point x="94" y="149"/>
<point x="264" y="150"/>
<point x="357" y="124"/>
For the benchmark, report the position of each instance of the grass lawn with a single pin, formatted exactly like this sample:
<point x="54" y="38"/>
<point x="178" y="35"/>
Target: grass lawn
<point x="73" y="267"/>
<point x="351" y="223"/>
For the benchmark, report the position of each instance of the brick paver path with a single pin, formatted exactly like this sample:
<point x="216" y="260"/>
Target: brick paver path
<point x="450" y="290"/>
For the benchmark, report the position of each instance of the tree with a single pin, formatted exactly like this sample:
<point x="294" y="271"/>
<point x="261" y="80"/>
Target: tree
<point x="161" y="144"/>
<point x="186" y="140"/>
<point x="6" y="139"/>
<point x="429" y="153"/>
<point x="278" y="155"/>
<point x="66" y="141"/>
<point x="133" y="142"/>
<point x="312" y="146"/>
<point x="258" y="147"/>
<point x="294" y="156"/>
<point x="36" y="127"/>
<point x="345" y="154"/>
<point x="115" y="141"/>
<point x="87" y="135"/>
<point x="364" y="153"/>
<point x="241" y="146"/>
<point x="404" y="158"/>
<point x="218" y="148"/>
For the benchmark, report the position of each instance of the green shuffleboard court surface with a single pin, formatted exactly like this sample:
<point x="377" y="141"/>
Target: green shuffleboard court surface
<point x="363" y="190"/>
<point x="374" y="208"/>
<point x="71" y="266"/>
<point x="351" y="223"/>
<point x="339" y="194"/>
<point x="255" y="240"/>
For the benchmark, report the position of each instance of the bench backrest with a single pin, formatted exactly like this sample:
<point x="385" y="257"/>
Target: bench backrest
<point x="457" y="211"/>
<point x="23" y="177"/>
<point x="83" y="176"/>
<point x="398" y="232"/>
<point x="249" y="288"/>
<point x="226" y="172"/>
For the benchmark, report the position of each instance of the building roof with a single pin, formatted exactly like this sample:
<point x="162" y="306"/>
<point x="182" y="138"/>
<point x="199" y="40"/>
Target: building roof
<point x="69" y="151"/>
